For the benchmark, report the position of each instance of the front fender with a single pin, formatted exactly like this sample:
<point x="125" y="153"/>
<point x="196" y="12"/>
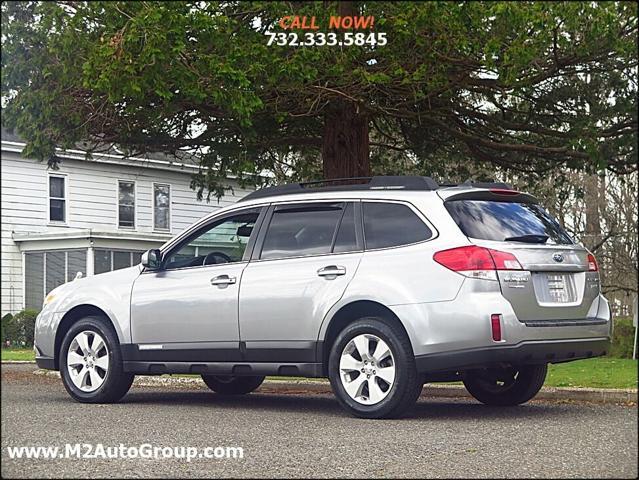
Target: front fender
<point x="110" y="292"/>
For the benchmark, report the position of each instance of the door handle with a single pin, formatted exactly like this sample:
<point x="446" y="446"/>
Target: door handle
<point x="331" y="271"/>
<point x="222" y="280"/>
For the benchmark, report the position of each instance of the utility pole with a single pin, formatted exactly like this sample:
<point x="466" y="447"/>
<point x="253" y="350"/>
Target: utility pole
<point x="634" y="324"/>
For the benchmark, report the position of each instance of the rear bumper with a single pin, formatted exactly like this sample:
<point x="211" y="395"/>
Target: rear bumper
<point x="524" y="353"/>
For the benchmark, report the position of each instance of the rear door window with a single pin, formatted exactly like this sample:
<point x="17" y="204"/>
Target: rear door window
<point x="302" y="229"/>
<point x="346" y="240"/>
<point x="502" y="221"/>
<point x="392" y="225"/>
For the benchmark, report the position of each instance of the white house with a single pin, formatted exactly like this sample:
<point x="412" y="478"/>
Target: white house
<point x="90" y="216"/>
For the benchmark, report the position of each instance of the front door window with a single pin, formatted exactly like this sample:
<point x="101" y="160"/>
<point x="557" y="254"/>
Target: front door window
<point x="224" y="241"/>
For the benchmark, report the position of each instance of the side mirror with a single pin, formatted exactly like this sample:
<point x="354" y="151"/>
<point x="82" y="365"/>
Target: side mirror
<point x="245" y="231"/>
<point x="152" y="259"/>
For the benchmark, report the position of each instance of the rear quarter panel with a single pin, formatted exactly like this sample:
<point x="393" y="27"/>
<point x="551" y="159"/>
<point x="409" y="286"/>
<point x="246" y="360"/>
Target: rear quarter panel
<point x="408" y="275"/>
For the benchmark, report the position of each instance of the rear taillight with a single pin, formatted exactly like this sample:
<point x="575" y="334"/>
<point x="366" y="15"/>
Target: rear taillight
<point x="477" y="262"/>
<point x="465" y="259"/>
<point x="592" y="263"/>
<point x="504" y="260"/>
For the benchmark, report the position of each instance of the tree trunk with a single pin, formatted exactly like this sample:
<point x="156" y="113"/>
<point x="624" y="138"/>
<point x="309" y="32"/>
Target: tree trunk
<point x="593" y="221"/>
<point x="345" y="142"/>
<point x="345" y="147"/>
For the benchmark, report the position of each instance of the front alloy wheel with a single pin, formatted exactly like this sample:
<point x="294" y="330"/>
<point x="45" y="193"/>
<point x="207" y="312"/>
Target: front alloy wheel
<point x="91" y="363"/>
<point x="88" y="361"/>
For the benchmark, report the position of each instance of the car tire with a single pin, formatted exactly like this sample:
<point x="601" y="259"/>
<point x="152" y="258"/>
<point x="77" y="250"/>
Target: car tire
<point x="231" y="385"/>
<point x="505" y="386"/>
<point x="367" y="381"/>
<point x="91" y="362"/>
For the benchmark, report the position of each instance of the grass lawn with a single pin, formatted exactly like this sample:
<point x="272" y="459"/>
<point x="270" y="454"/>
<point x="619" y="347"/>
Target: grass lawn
<point x="18" y="354"/>
<point x="603" y="372"/>
<point x="595" y="372"/>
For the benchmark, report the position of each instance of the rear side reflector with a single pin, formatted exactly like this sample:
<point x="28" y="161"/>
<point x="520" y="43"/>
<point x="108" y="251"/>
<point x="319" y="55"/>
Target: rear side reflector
<point x="474" y="259"/>
<point x="592" y="263"/>
<point x="495" y="325"/>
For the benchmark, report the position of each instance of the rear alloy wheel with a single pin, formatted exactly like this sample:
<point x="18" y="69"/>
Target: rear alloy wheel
<point x="231" y="385"/>
<point x="372" y="369"/>
<point x="367" y="376"/>
<point x="505" y="386"/>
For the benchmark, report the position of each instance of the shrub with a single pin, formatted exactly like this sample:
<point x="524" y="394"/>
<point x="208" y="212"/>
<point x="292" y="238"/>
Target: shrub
<point x="8" y="329"/>
<point x="622" y="338"/>
<point x="18" y="329"/>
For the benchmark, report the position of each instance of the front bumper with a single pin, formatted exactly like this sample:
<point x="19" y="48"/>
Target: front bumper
<point x="524" y="353"/>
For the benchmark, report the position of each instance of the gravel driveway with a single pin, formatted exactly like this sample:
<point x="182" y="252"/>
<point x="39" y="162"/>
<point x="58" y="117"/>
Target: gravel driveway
<point x="301" y="434"/>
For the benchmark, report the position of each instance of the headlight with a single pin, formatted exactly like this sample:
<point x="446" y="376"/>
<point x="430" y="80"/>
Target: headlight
<point x="48" y="299"/>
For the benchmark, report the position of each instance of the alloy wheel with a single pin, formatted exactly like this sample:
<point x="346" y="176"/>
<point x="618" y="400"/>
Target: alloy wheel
<point x="88" y="361"/>
<point x="367" y="369"/>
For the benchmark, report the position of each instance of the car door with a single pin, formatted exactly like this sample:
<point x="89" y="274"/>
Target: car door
<point x="305" y="256"/>
<point x="191" y="303"/>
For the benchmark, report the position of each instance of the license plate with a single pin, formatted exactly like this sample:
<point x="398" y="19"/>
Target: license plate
<point x="554" y="288"/>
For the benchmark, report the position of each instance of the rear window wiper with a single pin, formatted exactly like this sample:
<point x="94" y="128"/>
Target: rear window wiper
<point x="533" y="238"/>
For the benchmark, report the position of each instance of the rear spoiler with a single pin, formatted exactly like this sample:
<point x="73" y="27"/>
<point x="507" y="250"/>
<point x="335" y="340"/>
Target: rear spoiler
<point x="495" y="195"/>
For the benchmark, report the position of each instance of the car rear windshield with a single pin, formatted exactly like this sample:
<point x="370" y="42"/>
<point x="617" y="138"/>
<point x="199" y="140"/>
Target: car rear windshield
<point x="494" y="220"/>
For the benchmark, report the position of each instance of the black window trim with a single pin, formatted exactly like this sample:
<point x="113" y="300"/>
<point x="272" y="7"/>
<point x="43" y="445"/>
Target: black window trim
<point x="359" y="233"/>
<point x="197" y="230"/>
<point x="259" y="244"/>
<point x="416" y="211"/>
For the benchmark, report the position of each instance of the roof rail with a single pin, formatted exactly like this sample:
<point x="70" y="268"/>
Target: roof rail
<point x="346" y="184"/>
<point x="380" y="182"/>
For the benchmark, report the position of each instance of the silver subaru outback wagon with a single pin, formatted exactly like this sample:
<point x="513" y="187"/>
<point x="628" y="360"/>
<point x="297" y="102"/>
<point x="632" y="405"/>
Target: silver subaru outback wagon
<point x="380" y="286"/>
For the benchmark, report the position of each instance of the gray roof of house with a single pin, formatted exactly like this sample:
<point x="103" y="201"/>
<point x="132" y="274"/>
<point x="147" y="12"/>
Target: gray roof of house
<point x="181" y="157"/>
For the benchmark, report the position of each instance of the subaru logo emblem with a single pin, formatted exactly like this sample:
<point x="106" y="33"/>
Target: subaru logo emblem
<point x="558" y="257"/>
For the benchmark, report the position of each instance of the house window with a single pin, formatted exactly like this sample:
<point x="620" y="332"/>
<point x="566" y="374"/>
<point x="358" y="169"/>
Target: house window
<point x="55" y="270"/>
<point x="45" y="271"/>
<point x="161" y="206"/>
<point x="108" y="260"/>
<point x="76" y="263"/>
<point x="34" y="280"/>
<point x="126" y="204"/>
<point x="57" y="199"/>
